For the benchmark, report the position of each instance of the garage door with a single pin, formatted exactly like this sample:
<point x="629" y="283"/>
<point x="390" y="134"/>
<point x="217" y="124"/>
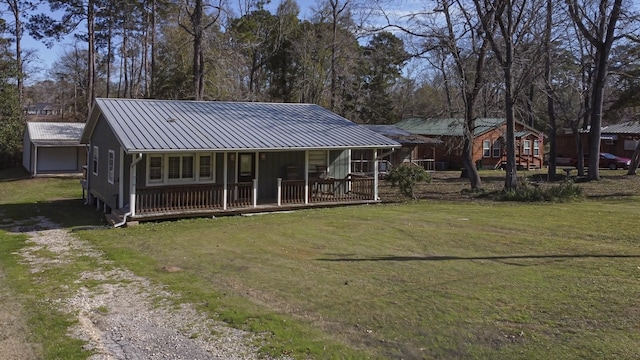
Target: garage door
<point x="58" y="159"/>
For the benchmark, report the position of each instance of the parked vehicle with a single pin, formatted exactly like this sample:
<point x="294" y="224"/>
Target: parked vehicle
<point x="609" y="161"/>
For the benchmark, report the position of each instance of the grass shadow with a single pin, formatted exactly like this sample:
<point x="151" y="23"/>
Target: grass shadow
<point x="496" y="258"/>
<point x="13" y="174"/>
<point x="67" y="213"/>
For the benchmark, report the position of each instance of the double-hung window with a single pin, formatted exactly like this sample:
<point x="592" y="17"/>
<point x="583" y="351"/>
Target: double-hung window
<point x="486" y="148"/>
<point x="527" y="147"/>
<point x="111" y="166"/>
<point x="94" y="165"/>
<point x="496" y="149"/>
<point x="156" y="173"/>
<point x="177" y="168"/>
<point x="536" y="147"/>
<point x="180" y="167"/>
<point x="205" y="167"/>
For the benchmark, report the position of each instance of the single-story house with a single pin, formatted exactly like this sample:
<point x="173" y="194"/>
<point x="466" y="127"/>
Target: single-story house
<point x="43" y="109"/>
<point x="412" y="145"/>
<point x="151" y="159"/>
<point x="618" y="139"/>
<point x="53" y="148"/>
<point x="488" y="145"/>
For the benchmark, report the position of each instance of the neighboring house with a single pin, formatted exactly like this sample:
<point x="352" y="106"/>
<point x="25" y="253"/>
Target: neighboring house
<point x="43" y="109"/>
<point x="618" y="139"/>
<point x="53" y="148"/>
<point x="488" y="145"/>
<point x="151" y="159"/>
<point x="412" y="146"/>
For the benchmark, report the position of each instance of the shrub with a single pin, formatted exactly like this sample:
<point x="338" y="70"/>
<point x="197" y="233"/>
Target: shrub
<point x="406" y="177"/>
<point x="527" y="192"/>
<point x="568" y="190"/>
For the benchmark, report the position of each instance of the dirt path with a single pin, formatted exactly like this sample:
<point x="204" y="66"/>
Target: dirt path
<point x="124" y="316"/>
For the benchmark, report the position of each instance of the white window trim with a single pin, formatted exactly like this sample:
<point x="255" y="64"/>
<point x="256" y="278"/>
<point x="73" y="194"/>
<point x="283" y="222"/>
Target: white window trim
<point x="95" y="162"/>
<point x="149" y="181"/>
<point x="213" y="167"/>
<point x="111" y="166"/>
<point x="526" y="147"/>
<point x="496" y="146"/>
<point x="536" y="147"/>
<point x="488" y="148"/>
<point x="180" y="180"/>
<point x="196" y="169"/>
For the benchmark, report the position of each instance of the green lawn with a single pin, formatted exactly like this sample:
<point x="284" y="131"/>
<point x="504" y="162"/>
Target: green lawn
<point x="428" y="279"/>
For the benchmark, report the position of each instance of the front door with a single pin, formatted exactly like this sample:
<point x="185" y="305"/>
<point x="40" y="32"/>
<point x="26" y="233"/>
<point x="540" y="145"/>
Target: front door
<point x="246" y="167"/>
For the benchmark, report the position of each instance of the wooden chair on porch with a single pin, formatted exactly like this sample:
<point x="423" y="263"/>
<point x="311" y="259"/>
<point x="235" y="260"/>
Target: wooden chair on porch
<point x="292" y="173"/>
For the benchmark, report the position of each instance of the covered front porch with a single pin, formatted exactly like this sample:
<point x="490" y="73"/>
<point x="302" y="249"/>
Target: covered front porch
<point x="153" y="203"/>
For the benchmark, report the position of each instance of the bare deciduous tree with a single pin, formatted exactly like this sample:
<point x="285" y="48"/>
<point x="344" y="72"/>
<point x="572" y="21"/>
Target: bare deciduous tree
<point x="597" y="23"/>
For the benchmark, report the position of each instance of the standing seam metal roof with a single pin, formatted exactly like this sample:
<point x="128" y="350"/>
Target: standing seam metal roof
<point x="447" y="126"/>
<point x="173" y="125"/>
<point x="55" y="133"/>
<point x="630" y="127"/>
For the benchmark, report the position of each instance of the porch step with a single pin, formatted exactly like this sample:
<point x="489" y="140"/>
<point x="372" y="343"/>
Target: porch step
<point x="113" y="218"/>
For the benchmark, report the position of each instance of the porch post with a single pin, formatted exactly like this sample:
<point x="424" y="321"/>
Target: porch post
<point x="133" y="180"/>
<point x="35" y="161"/>
<point x="375" y="174"/>
<point x="120" y="179"/>
<point x="255" y="192"/>
<point x="279" y="182"/>
<point x="225" y="174"/>
<point x="350" y="171"/>
<point x="306" y="177"/>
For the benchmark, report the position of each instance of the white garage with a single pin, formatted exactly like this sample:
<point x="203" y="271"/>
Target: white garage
<point x="53" y="148"/>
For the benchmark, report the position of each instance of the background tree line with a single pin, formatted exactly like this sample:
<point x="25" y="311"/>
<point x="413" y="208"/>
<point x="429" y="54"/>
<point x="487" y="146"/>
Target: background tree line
<point x="553" y="65"/>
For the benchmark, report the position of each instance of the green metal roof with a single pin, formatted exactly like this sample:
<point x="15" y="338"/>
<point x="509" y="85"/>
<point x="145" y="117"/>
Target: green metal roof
<point x="448" y="126"/>
<point x="521" y="134"/>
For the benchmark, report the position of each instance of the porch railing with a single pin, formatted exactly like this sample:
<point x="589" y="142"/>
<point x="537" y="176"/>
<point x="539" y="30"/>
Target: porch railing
<point x="192" y="197"/>
<point x="427" y="164"/>
<point x="240" y="195"/>
<point x="210" y="197"/>
<point x="292" y="192"/>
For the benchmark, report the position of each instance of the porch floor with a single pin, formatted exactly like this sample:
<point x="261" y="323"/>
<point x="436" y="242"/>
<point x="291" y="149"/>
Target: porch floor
<point x="117" y="216"/>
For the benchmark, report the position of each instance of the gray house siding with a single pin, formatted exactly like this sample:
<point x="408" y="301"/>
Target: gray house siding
<point x="339" y="163"/>
<point x="27" y="158"/>
<point x="99" y="184"/>
<point x="126" y="176"/>
<point x="274" y="166"/>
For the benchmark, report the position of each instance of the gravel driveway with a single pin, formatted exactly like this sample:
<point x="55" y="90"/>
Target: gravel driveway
<point x="125" y="316"/>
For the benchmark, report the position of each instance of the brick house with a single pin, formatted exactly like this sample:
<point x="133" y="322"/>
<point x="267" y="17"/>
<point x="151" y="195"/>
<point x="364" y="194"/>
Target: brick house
<point x="488" y="145"/>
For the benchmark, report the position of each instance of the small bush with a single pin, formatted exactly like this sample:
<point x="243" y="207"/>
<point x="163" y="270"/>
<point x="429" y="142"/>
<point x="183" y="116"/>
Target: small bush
<point x="566" y="191"/>
<point x="527" y="192"/>
<point x="406" y="177"/>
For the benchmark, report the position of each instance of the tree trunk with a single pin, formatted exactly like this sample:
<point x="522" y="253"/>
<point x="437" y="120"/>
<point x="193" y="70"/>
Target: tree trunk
<point x="109" y="55"/>
<point x="635" y="160"/>
<point x="600" y="34"/>
<point x="125" y="62"/>
<point x="14" y="5"/>
<point x="197" y="48"/>
<point x="553" y="153"/>
<point x="511" y="178"/>
<point x="152" y="77"/>
<point x="470" y="168"/>
<point x="91" y="61"/>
